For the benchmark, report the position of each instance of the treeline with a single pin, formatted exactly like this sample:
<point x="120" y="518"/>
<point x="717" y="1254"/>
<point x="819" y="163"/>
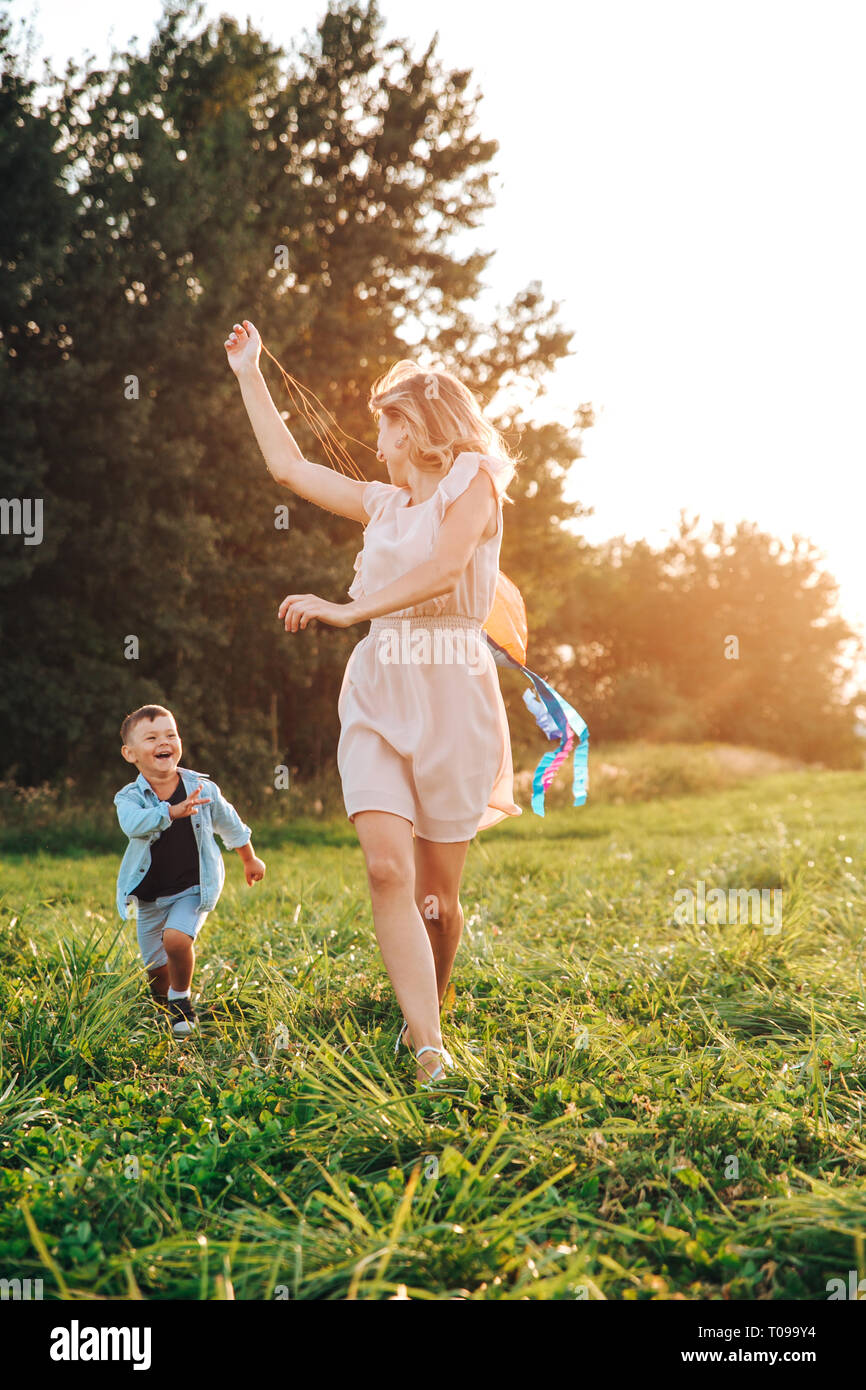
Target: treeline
<point x="146" y="207"/>
<point x="726" y="636"/>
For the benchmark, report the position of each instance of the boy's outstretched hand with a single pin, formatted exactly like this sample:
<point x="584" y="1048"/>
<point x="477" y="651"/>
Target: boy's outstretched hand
<point x="189" y="805"/>
<point x="254" y="869"/>
<point x="243" y="346"/>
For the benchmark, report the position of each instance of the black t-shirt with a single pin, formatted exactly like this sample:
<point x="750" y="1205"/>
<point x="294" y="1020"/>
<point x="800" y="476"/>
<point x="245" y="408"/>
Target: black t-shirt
<point x="173" y="857"/>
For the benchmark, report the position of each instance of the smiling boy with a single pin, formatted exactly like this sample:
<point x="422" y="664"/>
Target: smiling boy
<point x="172" y="867"/>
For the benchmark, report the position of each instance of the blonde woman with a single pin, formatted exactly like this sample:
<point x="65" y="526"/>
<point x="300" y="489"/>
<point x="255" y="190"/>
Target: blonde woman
<point x="424" y="752"/>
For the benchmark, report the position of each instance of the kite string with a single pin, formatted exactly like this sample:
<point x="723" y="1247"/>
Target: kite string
<point x="333" y="448"/>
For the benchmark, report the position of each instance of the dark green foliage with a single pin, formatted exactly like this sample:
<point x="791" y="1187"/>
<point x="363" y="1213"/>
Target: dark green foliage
<point x="361" y="161"/>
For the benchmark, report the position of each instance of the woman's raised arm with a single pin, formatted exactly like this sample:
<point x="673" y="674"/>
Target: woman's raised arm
<point x="313" y="481"/>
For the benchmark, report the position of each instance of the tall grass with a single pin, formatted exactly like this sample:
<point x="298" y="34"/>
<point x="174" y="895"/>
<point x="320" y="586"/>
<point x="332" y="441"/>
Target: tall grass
<point x="643" y="1109"/>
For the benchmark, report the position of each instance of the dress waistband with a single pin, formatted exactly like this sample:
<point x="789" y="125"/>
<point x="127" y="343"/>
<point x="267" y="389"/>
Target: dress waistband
<point x="420" y="620"/>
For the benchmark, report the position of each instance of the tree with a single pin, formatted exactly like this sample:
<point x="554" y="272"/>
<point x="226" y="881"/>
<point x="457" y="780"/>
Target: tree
<point x="206" y="181"/>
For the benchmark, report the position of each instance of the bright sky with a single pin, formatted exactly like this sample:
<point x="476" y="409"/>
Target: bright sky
<point x="687" y="179"/>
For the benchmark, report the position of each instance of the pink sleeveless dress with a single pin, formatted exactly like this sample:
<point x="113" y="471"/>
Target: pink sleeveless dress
<point x="423" y="728"/>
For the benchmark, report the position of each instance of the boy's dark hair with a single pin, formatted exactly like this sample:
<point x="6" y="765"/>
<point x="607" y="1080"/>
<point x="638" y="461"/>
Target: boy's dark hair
<point x="146" y="712"/>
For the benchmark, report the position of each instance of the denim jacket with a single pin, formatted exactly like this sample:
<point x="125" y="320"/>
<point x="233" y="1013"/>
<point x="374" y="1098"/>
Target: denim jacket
<point x="143" y="817"/>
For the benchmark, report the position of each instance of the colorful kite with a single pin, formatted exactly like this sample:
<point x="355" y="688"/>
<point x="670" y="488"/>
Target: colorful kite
<point x="507" y="631"/>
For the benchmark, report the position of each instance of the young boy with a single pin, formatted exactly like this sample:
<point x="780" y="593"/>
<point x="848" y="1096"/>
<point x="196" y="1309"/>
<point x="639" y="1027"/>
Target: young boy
<point x="172" y="865"/>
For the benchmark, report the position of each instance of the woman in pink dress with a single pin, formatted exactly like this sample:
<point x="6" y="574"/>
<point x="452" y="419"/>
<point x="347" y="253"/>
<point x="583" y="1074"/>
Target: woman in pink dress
<point x="424" y="752"/>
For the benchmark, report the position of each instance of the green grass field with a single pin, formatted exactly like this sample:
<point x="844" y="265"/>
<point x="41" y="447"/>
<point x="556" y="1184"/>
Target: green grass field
<point x="646" y="1109"/>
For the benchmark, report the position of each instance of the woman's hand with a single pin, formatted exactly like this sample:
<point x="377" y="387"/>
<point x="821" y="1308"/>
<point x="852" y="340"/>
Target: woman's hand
<point x="300" y="609"/>
<point x="243" y="347"/>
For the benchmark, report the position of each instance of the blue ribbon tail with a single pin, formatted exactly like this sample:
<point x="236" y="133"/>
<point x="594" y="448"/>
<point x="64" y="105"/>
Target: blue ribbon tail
<point x="568" y="723"/>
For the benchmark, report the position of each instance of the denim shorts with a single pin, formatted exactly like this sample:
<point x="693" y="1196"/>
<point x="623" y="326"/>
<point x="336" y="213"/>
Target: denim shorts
<point x="179" y="912"/>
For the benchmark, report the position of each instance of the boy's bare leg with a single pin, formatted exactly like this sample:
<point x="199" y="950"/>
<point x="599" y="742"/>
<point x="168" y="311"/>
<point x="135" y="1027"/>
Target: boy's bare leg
<point x="158" y="980"/>
<point x="180" y="950"/>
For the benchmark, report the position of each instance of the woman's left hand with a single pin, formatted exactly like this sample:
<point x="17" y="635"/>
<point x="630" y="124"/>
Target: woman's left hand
<point x="300" y="609"/>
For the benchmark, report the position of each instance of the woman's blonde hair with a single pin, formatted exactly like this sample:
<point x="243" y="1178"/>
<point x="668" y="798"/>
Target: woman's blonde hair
<point x="441" y="416"/>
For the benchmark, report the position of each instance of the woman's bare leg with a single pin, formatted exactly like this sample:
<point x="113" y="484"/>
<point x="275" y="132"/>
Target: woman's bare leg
<point x="438" y="872"/>
<point x="386" y="840"/>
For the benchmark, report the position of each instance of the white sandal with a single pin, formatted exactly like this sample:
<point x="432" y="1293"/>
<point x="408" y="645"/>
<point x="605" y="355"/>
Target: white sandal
<point x="440" y="1070"/>
<point x="400" y="1038"/>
